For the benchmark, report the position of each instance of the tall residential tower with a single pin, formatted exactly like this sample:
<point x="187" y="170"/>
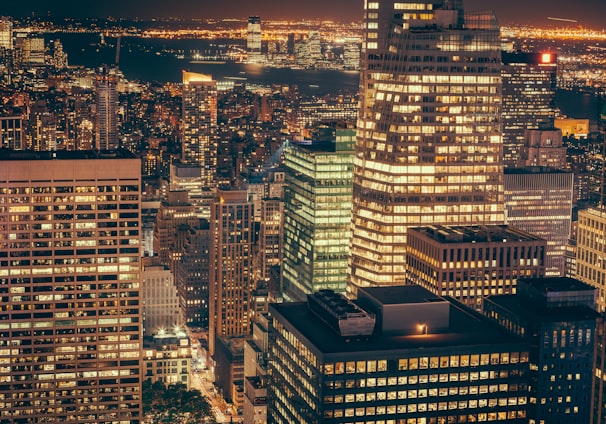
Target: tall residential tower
<point x="429" y="146"/>
<point x="199" y="144"/>
<point x="106" y="127"/>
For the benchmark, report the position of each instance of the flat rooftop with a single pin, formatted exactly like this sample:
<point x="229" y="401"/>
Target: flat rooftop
<point x="558" y="284"/>
<point x="466" y="328"/>
<point x="398" y="295"/>
<point x="533" y="313"/>
<point x="16" y="155"/>
<point x="535" y="170"/>
<point x="474" y="234"/>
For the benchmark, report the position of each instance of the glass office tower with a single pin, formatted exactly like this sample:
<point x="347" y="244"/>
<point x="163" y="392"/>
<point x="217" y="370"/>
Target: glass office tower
<point x="429" y="146"/>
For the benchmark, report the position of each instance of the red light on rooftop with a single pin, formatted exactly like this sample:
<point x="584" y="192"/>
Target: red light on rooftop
<point x="546" y="58"/>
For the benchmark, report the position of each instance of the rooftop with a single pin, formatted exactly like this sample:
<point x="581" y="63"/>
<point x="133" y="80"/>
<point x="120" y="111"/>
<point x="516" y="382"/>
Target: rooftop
<point x="533" y="313"/>
<point x="535" y="170"/>
<point x="15" y="155"/>
<point x="466" y="328"/>
<point x="558" y="284"/>
<point x="393" y="295"/>
<point x="474" y="234"/>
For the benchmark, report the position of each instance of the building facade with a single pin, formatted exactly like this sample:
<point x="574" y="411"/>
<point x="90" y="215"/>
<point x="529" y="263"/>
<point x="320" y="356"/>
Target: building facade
<point x="167" y="357"/>
<point x="271" y="237"/>
<point x="12" y="133"/>
<point x="543" y="147"/>
<point x="253" y="40"/>
<point x="192" y="273"/>
<point x="175" y="217"/>
<point x="106" y="125"/>
<point x="429" y="146"/>
<point x="427" y="361"/>
<point x="557" y="316"/>
<point x="529" y="90"/>
<point x="199" y="140"/>
<point x="231" y="257"/>
<point x="160" y="299"/>
<point x="469" y="263"/>
<point x="70" y="303"/>
<point x="591" y="251"/>
<point x="6" y="33"/>
<point x="317" y="214"/>
<point x="539" y="200"/>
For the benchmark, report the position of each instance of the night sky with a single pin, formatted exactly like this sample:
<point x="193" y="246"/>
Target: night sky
<point x="589" y="13"/>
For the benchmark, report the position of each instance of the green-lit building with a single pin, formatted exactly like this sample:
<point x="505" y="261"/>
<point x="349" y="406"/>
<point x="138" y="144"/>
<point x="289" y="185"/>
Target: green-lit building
<point x="317" y="211"/>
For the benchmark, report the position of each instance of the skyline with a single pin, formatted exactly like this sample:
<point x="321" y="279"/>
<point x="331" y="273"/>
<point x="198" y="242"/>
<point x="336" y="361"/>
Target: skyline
<point x="588" y="13"/>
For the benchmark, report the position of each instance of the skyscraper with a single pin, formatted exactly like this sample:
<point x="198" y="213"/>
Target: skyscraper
<point x="106" y="127"/>
<point x="591" y="251"/>
<point x="529" y="89"/>
<point x="6" y="33"/>
<point x="197" y="171"/>
<point x="231" y="256"/>
<point x="429" y="148"/>
<point x="191" y="275"/>
<point x="317" y="213"/>
<point x="253" y="40"/>
<point x="557" y="317"/>
<point x="70" y="304"/>
<point x="539" y="200"/>
<point x="199" y="143"/>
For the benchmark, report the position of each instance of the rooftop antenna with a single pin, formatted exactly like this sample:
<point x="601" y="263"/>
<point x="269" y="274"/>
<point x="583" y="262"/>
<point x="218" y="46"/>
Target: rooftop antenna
<point x="601" y="132"/>
<point x="118" y="50"/>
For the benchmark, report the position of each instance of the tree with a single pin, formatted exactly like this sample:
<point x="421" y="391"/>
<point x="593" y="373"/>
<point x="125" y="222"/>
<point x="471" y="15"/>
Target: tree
<point x="175" y="404"/>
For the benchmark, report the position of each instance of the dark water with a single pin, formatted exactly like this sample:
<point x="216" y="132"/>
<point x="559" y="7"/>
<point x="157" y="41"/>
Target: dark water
<point x="147" y="60"/>
<point x="578" y="105"/>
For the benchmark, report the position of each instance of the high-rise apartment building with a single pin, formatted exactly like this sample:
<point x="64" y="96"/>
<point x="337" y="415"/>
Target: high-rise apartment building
<point x="70" y="304"/>
<point x="192" y="273"/>
<point x="557" y="317"/>
<point x="529" y="89"/>
<point x="198" y="168"/>
<point x="469" y="263"/>
<point x="591" y="251"/>
<point x="253" y="40"/>
<point x="175" y="217"/>
<point x="429" y="146"/>
<point x="106" y="125"/>
<point x="317" y="213"/>
<point x="231" y="258"/>
<point x="401" y="355"/>
<point x="199" y="143"/>
<point x="271" y="235"/>
<point x="539" y="200"/>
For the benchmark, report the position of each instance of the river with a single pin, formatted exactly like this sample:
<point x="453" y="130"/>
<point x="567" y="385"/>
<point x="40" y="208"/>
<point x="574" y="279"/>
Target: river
<point x="158" y="60"/>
